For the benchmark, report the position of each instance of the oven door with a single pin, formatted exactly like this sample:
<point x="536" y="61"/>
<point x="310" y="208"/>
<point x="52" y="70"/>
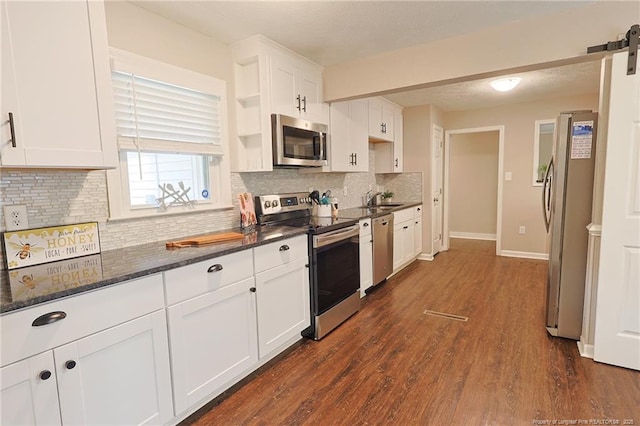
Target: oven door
<point x="335" y="267"/>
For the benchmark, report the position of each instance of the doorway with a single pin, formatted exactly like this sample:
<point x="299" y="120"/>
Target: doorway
<point x="449" y="178"/>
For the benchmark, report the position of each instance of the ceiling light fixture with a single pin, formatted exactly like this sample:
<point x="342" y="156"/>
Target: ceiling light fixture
<point x="505" y="84"/>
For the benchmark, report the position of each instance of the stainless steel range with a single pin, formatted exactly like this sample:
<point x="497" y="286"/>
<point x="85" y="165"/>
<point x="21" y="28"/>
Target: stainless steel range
<point x="334" y="254"/>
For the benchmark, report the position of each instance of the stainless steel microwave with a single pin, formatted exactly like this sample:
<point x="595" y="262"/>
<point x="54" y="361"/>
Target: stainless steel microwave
<point x="297" y="142"/>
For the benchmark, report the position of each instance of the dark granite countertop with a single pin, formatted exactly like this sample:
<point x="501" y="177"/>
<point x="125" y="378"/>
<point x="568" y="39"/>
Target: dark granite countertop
<point x="24" y="287"/>
<point x="375" y="211"/>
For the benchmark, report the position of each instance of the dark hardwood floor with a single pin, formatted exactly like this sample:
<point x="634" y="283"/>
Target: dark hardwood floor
<point x="392" y="364"/>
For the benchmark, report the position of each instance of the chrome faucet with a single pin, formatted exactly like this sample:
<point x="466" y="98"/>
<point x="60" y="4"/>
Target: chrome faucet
<point x="371" y="200"/>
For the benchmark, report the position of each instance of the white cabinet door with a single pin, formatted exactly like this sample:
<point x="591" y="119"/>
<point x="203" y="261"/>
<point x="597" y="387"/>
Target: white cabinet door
<point x="213" y="340"/>
<point x="29" y="393"/>
<point x="408" y="240"/>
<point x="310" y="88"/>
<point x="398" y="246"/>
<point x="56" y="86"/>
<point x="398" y="146"/>
<point x="381" y="120"/>
<point x="283" y="304"/>
<point x="417" y="232"/>
<point x="349" y="145"/>
<point x="118" y="376"/>
<point x="284" y="87"/>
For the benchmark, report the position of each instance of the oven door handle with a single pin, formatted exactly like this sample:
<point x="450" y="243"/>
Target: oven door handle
<point x="335" y="236"/>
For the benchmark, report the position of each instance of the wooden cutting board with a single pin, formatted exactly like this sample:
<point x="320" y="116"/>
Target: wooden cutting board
<point x="205" y="239"/>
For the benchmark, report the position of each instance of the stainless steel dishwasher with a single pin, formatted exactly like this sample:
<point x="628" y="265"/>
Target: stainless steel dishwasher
<point x="382" y="248"/>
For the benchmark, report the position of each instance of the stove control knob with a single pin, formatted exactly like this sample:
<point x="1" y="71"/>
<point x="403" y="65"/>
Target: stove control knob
<point x="274" y="203"/>
<point x="267" y="204"/>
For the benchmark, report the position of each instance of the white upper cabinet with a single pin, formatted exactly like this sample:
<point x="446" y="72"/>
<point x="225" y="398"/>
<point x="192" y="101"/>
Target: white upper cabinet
<point x="349" y="146"/>
<point x="270" y="79"/>
<point x="386" y="132"/>
<point x="56" y="102"/>
<point x="381" y="119"/>
<point x="296" y="88"/>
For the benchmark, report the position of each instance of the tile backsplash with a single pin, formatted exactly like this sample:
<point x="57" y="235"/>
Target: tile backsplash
<point x="55" y="197"/>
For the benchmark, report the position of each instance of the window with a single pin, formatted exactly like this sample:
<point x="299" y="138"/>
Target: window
<point x="171" y="139"/>
<point x="542" y="147"/>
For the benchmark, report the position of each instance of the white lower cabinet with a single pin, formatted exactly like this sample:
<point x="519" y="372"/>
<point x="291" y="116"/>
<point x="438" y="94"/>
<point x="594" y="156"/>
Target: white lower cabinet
<point x="213" y="340"/>
<point x="84" y="373"/>
<point x="283" y="305"/>
<point x="29" y="392"/>
<point x="407" y="236"/>
<point x="366" y="256"/>
<point x="117" y="376"/>
<point x="283" y="293"/>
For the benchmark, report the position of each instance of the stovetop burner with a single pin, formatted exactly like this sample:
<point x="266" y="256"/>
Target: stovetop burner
<point x="294" y="209"/>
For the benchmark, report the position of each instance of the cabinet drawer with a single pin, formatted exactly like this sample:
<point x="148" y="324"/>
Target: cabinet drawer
<point x="365" y="227"/>
<point x="280" y="252"/>
<point x="202" y="277"/>
<point x="85" y="314"/>
<point x="403" y="215"/>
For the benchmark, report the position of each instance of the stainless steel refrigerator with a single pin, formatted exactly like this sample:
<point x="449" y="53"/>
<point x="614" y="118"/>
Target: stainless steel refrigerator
<point x="566" y="197"/>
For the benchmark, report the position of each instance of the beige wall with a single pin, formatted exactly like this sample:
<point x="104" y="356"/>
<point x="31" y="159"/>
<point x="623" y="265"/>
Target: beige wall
<point x="473" y="183"/>
<point x="518" y="46"/>
<point x="521" y="200"/>
<point x="138" y="31"/>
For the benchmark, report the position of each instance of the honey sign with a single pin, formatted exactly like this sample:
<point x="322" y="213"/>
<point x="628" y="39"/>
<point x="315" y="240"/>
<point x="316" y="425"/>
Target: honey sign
<point x="43" y="245"/>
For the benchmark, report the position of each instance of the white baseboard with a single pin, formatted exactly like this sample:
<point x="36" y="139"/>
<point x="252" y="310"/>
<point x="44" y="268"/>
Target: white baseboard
<point x="524" y="254"/>
<point x="472" y="236"/>
<point x="425" y="256"/>
<point x="586" y="351"/>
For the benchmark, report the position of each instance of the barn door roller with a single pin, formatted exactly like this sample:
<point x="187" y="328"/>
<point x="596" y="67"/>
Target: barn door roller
<point x="631" y="40"/>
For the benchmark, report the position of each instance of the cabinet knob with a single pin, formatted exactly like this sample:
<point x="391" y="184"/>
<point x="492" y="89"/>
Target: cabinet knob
<point x="13" y="130"/>
<point x="70" y="365"/>
<point x="48" y="318"/>
<point x="45" y="374"/>
<point x="215" y="268"/>
<point x="419" y="209"/>
<point x="252" y="289"/>
<point x="365" y="224"/>
<point x="405" y="227"/>
<point x="284" y="247"/>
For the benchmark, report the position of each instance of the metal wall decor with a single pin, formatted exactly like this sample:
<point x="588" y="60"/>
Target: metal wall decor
<point x="172" y="196"/>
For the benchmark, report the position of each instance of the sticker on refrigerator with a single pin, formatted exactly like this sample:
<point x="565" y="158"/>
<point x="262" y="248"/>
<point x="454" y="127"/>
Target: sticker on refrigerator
<point x="581" y="139"/>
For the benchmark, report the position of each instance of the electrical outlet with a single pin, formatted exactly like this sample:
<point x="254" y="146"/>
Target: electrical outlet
<point x="522" y="230"/>
<point x="15" y="218"/>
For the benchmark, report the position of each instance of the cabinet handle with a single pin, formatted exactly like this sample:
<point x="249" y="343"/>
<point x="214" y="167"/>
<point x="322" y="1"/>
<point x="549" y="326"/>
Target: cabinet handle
<point x="215" y="268"/>
<point x="382" y="128"/>
<point x="13" y="130"/>
<point x="298" y="99"/>
<point x="396" y="162"/>
<point x="45" y="374"/>
<point x="48" y="318"/>
<point x="252" y="289"/>
<point x="284" y="247"/>
<point x="304" y="104"/>
<point x="355" y="158"/>
<point x="70" y="365"/>
<point x="306" y="266"/>
<point x="405" y="227"/>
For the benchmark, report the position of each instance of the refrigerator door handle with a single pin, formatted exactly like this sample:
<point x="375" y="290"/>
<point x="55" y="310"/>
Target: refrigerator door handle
<point x="546" y="195"/>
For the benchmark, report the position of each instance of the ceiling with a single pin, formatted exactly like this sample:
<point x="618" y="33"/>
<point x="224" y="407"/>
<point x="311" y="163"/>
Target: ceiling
<point x="331" y="32"/>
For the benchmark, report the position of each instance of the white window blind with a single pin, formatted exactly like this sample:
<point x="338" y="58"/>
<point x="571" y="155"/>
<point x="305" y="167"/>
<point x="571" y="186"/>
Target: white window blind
<point x="154" y="116"/>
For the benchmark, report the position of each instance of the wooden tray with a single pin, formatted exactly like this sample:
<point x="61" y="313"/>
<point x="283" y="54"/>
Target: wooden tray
<point x="205" y="239"/>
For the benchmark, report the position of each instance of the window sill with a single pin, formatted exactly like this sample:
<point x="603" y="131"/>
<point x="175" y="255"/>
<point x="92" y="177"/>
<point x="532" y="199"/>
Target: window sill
<point x="155" y="213"/>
